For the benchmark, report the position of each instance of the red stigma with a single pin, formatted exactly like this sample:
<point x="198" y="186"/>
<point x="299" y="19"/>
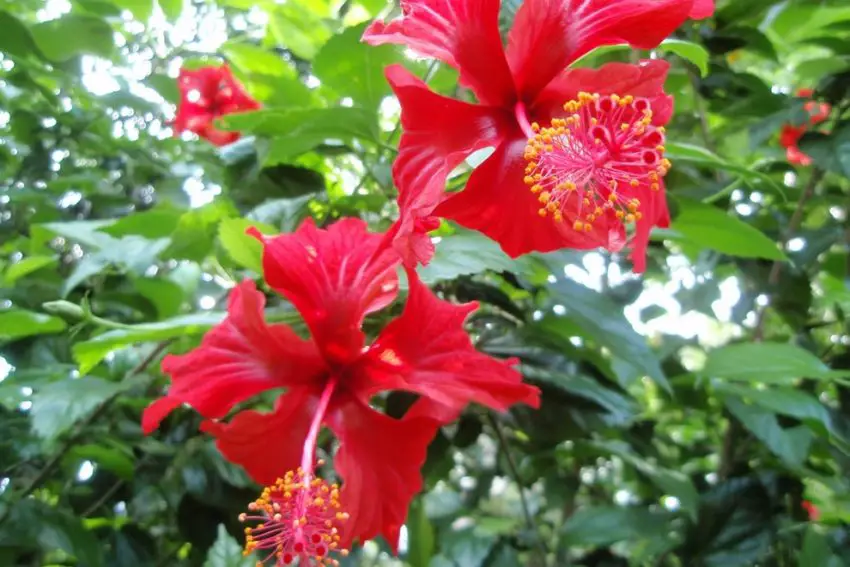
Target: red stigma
<point x="597" y="160"/>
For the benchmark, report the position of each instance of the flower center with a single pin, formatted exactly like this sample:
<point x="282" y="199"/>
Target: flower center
<point x="300" y="517"/>
<point x="596" y="161"/>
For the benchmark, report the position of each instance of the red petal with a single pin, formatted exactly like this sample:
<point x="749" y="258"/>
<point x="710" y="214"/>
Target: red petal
<point x="497" y="203"/>
<point x="267" y="445"/>
<point x="237" y="359"/>
<point x="790" y="135"/>
<point x="461" y="33"/>
<point x="379" y="461"/>
<point x="439" y="133"/>
<point x="426" y="350"/>
<point x="702" y="9"/>
<point x="644" y="80"/>
<point x="655" y="213"/>
<point x="334" y="277"/>
<point x="548" y="35"/>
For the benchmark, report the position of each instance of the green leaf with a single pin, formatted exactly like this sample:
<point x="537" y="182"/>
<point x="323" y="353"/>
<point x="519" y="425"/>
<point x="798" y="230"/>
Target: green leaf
<point x="194" y="237"/>
<point x="296" y="131"/>
<point x="171" y="8"/>
<point x="27" y="266"/>
<point x="791" y="445"/>
<point x="817" y="551"/>
<point x="830" y="152"/>
<point x="355" y="69"/>
<point x="245" y="250"/>
<point x="19" y="323"/>
<point x="34" y="524"/>
<point x="253" y="59"/>
<point x="709" y="227"/>
<point x="780" y="363"/>
<point x="89" y="353"/>
<point x="785" y="401"/>
<point x="141" y="9"/>
<point x="165" y="295"/>
<point x="112" y="458"/>
<point x="587" y="388"/>
<point x="226" y="552"/>
<point x="600" y="526"/>
<point x="700" y="156"/>
<point x="16" y="38"/>
<point x="72" y="35"/>
<point x="669" y="481"/>
<point x="152" y="224"/>
<point x="467" y="252"/>
<point x="297" y="28"/>
<point x="421" y="544"/>
<point x="693" y="52"/>
<point x="604" y="321"/>
<point x="58" y="406"/>
<point x="87" y="267"/>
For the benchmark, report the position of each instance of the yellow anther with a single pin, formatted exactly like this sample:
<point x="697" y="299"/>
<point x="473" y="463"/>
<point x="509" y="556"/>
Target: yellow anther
<point x="535" y="127"/>
<point x="634" y="182"/>
<point x="630" y="218"/>
<point x="544" y="197"/>
<point x="578" y="225"/>
<point x="541" y="212"/>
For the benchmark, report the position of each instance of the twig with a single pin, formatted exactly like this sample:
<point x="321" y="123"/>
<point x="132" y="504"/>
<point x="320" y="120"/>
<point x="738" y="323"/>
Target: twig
<point x="69" y="443"/>
<point x="512" y="468"/>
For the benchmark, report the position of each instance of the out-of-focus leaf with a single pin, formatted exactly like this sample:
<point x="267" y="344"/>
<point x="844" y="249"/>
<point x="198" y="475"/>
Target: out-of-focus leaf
<point x="693" y="52"/>
<point x="603" y="321"/>
<point x="109" y="457"/>
<point x="245" y="250"/>
<point x="141" y="9"/>
<point x="27" y="266"/>
<point x="710" y="227"/>
<point x="420" y="536"/>
<point x="352" y="68"/>
<point x="671" y="482"/>
<point x="605" y="525"/>
<point x="16" y="38"/>
<point x="226" y="552"/>
<point x="73" y="34"/>
<point x="35" y="524"/>
<point x="766" y="362"/>
<point x="165" y="295"/>
<point x="89" y="353"/>
<point x="194" y="236"/>
<point x="791" y="445"/>
<point x="830" y="152"/>
<point x="58" y="406"/>
<point x="466" y="252"/>
<point x="19" y="323"/>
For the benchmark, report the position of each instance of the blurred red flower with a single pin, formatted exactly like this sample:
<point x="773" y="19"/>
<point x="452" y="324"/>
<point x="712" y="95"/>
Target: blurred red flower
<point x="812" y="510"/>
<point x="790" y="135"/>
<point x="206" y="94"/>
<point x="334" y="278"/>
<point x="582" y="148"/>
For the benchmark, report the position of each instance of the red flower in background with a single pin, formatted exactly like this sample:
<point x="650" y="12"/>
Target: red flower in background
<point x="206" y="94"/>
<point x="790" y="135"/>
<point x="812" y="510"/>
<point x="334" y="278"/>
<point x="581" y="148"/>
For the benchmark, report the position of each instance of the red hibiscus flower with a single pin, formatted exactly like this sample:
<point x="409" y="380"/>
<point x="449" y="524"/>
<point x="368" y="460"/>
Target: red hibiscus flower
<point x="583" y="149"/>
<point x="334" y="278"/>
<point x="206" y="94"/>
<point x="790" y="135"/>
<point x="811" y="510"/>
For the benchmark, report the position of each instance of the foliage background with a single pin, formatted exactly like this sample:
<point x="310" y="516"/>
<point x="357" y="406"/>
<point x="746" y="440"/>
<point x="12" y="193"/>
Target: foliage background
<point x="686" y="416"/>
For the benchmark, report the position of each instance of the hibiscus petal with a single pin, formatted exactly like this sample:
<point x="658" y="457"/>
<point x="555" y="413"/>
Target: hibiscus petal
<point x="379" y="460"/>
<point x="334" y="277"/>
<point x="702" y="9"/>
<point x="439" y="133"/>
<point x="548" y="35"/>
<point x="237" y="359"/>
<point x="267" y="445"/>
<point x="461" y="33"/>
<point x="497" y="203"/>
<point x="645" y="80"/>
<point x="426" y="350"/>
